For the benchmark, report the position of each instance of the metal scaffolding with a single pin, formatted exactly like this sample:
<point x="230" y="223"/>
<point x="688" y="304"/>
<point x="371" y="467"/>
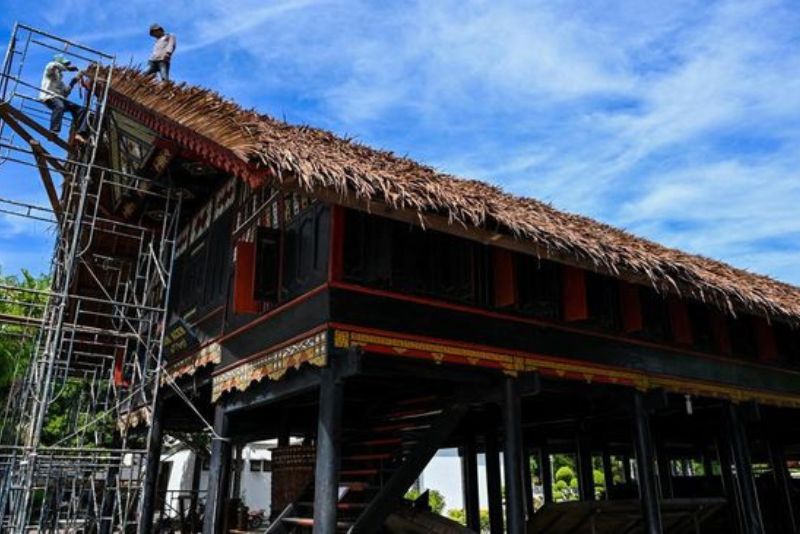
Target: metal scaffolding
<point x="91" y="344"/>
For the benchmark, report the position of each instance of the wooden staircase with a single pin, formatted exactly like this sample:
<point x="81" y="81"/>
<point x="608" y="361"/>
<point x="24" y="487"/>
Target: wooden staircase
<point x="382" y="454"/>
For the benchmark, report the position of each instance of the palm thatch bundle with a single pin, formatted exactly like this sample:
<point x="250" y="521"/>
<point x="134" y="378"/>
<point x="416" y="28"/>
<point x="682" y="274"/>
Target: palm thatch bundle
<point x="318" y="160"/>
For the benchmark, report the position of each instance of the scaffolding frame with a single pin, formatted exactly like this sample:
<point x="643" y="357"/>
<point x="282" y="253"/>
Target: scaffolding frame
<point x="95" y="337"/>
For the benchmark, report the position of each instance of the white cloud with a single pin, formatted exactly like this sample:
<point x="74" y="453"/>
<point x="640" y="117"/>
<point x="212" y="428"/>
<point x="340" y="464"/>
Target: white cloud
<point x="679" y="120"/>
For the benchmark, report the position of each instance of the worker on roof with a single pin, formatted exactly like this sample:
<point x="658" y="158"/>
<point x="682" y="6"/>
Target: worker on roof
<point x="162" y="52"/>
<point x="54" y="94"/>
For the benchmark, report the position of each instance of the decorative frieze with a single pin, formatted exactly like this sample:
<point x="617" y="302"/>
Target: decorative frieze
<point x="273" y="364"/>
<point x="207" y="355"/>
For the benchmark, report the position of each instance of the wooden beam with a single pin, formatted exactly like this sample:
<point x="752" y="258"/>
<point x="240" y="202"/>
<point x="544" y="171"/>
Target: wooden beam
<point x="244" y="277"/>
<point x="13" y="117"/>
<point x="47" y="179"/>
<point x="765" y="338"/>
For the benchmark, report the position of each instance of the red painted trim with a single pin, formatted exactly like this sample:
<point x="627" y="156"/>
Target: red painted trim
<point x="208" y="316"/>
<point x="255" y="322"/>
<point x="576" y="307"/>
<point x="279" y="309"/>
<point x="553" y="359"/>
<point x="206" y="149"/>
<point x="278" y="346"/>
<point x="540" y="322"/>
<point x="336" y="256"/>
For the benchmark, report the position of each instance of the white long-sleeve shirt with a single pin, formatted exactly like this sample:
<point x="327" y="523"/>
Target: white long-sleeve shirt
<point x="53" y="82"/>
<point x="163" y="48"/>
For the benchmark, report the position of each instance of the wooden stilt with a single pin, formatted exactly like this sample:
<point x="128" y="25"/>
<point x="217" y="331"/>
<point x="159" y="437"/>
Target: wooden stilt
<point x="608" y="472"/>
<point x="585" y="469"/>
<point x="326" y="477"/>
<point x="527" y="481"/>
<point x="469" y="483"/>
<point x="512" y="457"/>
<point x="493" y="481"/>
<point x="547" y="475"/>
<point x="783" y="483"/>
<point x="218" y="475"/>
<point x="645" y="459"/>
<point x="740" y="453"/>
<point x="154" y="440"/>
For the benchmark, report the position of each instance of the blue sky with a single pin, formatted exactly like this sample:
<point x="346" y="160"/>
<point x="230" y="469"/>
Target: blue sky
<point x="679" y="121"/>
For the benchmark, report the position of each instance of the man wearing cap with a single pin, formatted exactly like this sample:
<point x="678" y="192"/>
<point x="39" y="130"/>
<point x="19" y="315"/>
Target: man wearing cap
<point x="53" y="93"/>
<point x="162" y="52"/>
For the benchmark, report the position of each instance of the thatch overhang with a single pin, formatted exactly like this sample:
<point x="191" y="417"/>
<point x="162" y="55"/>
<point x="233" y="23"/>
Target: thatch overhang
<point x="259" y="148"/>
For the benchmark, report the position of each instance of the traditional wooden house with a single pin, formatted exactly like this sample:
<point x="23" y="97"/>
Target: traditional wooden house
<point x="381" y="310"/>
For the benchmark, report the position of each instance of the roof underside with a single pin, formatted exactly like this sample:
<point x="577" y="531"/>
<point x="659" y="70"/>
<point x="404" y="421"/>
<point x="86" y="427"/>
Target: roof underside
<point x="318" y="160"/>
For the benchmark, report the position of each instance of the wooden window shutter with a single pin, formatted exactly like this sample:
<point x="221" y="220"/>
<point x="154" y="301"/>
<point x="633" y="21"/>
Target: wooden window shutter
<point x="504" y="278"/>
<point x="631" y="304"/>
<point x="679" y="322"/>
<point x="576" y="306"/>
<point x="765" y="338"/>
<point x="244" y="279"/>
<point x="719" y="331"/>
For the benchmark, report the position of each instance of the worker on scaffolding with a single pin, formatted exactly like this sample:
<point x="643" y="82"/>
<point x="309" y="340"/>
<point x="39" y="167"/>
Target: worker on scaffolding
<point x="54" y="94"/>
<point x="163" y="49"/>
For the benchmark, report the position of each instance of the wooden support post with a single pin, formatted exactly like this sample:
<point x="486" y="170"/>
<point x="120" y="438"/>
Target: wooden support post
<point x="648" y="492"/>
<point x="740" y="453"/>
<point x="154" y="440"/>
<point x="784" y="484"/>
<point x="326" y="473"/>
<point x="494" y="483"/>
<point x="283" y="429"/>
<point x="512" y="457"/>
<point x="664" y="471"/>
<point x="585" y="469"/>
<point x="469" y="483"/>
<point x="547" y="474"/>
<point x="608" y="472"/>
<point x="237" y="471"/>
<point x="218" y="475"/>
<point x="527" y="480"/>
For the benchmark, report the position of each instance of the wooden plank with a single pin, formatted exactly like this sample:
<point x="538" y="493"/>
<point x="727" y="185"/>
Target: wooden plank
<point x="503" y="278"/>
<point x="47" y="179"/>
<point x="631" y="304"/>
<point x="336" y="268"/>
<point x="765" y="338"/>
<point x="244" y="279"/>
<point x="679" y="321"/>
<point x="576" y="306"/>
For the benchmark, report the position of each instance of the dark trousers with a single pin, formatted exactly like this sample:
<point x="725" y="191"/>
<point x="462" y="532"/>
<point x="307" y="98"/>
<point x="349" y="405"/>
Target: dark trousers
<point x="58" y="106"/>
<point x="160" y="67"/>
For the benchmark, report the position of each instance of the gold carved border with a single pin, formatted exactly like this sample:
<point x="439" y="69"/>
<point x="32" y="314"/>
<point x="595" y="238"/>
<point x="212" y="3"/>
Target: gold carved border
<point x="514" y="363"/>
<point x="273" y="364"/>
<point x="209" y="354"/>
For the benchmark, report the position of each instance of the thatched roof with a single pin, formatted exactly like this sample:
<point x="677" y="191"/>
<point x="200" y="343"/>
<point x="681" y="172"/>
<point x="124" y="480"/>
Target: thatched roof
<point x="318" y="160"/>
